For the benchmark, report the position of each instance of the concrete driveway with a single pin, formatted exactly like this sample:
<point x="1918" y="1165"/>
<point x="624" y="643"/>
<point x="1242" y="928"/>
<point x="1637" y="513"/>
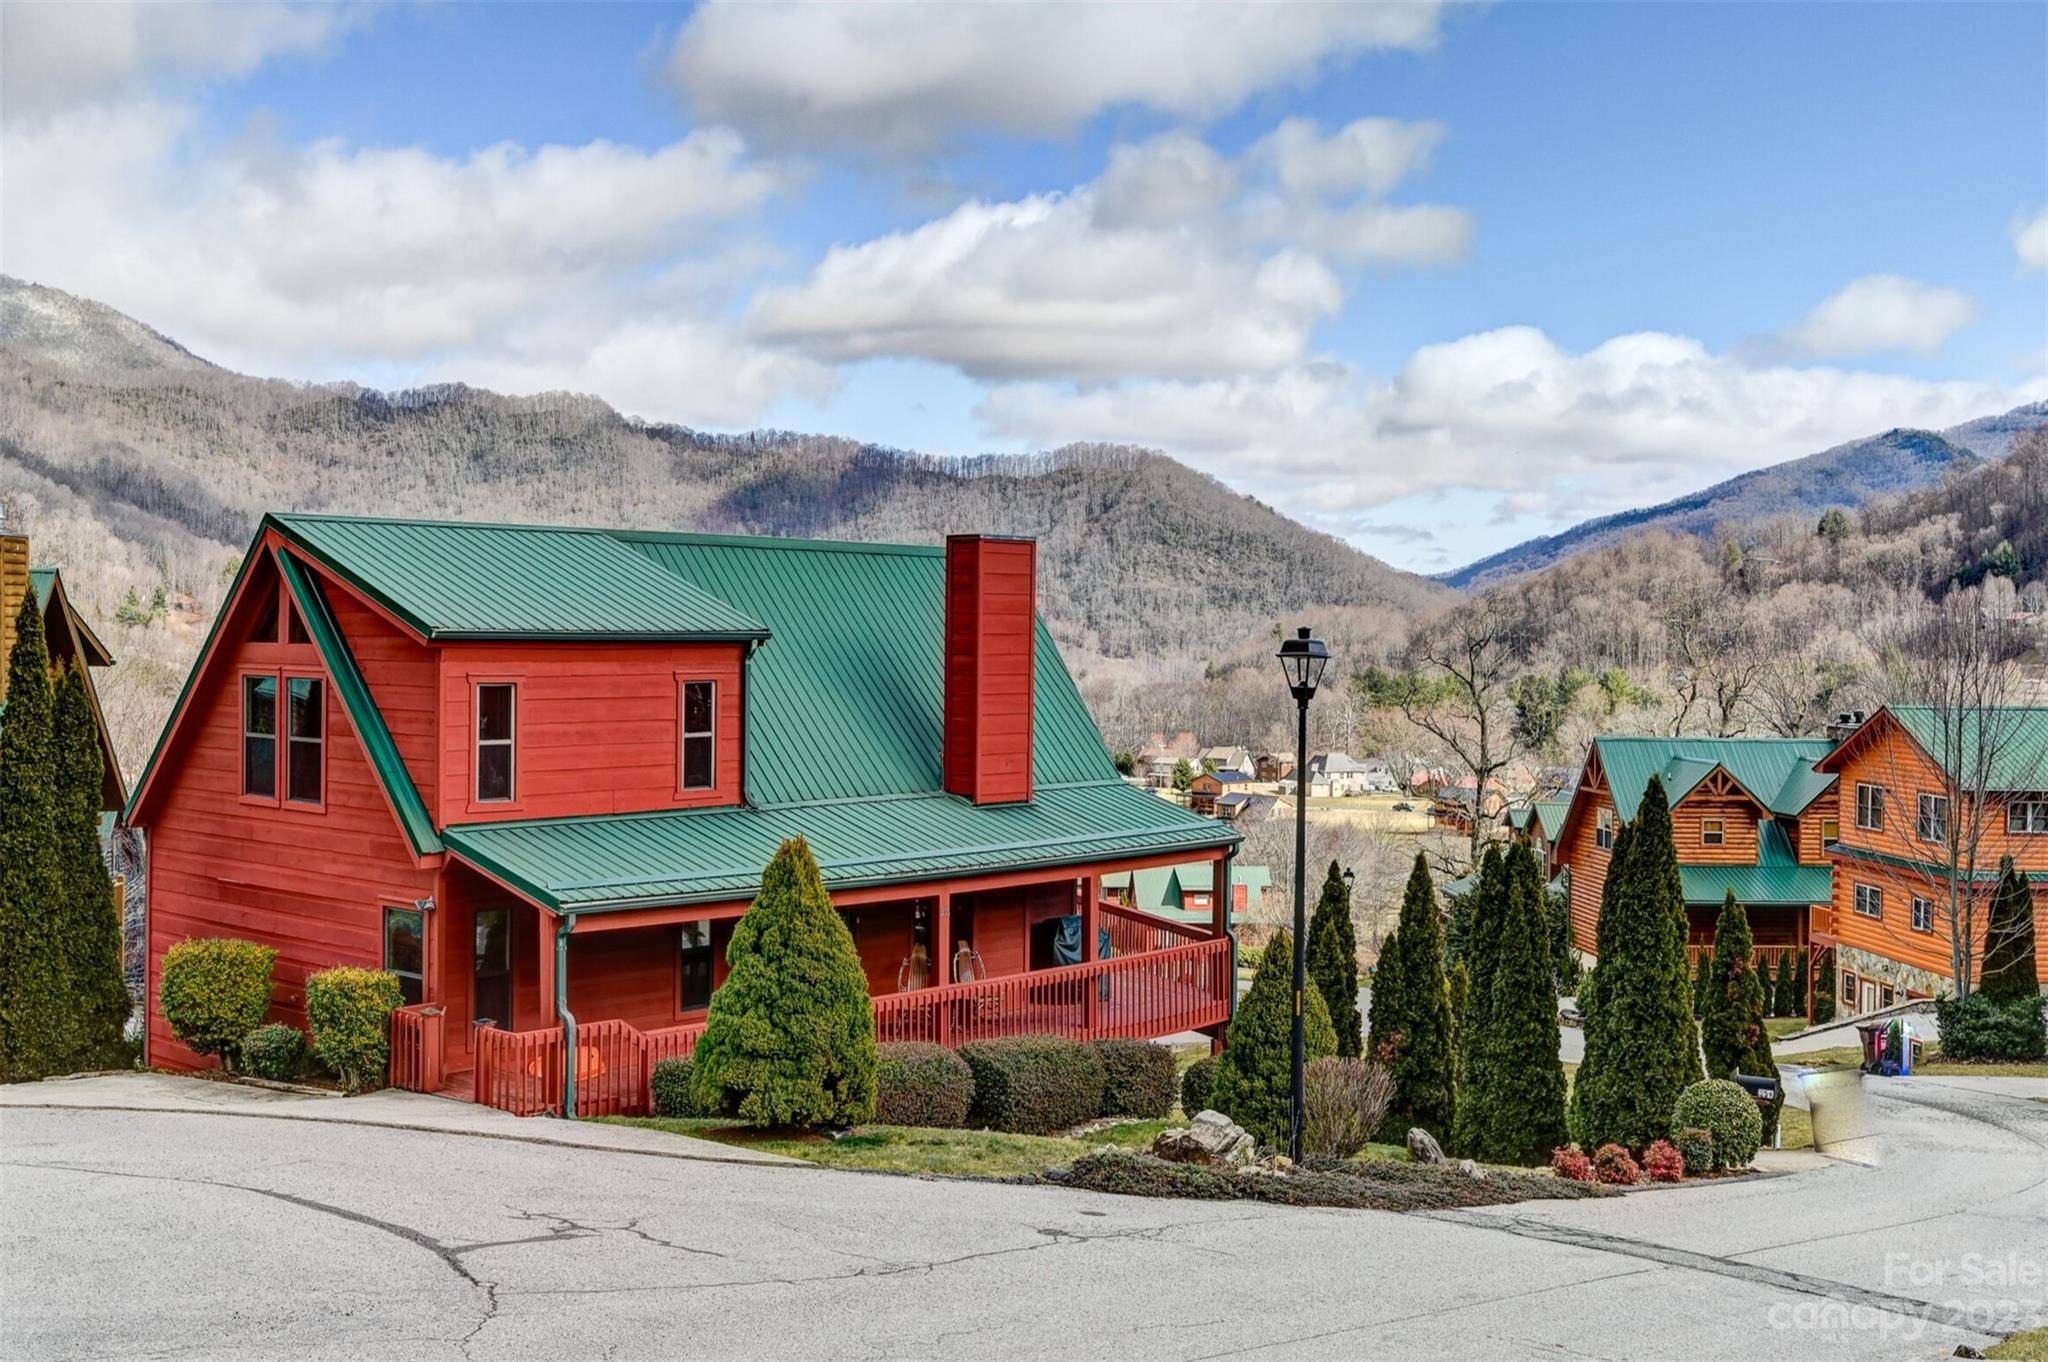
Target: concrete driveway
<point x="221" y="1232"/>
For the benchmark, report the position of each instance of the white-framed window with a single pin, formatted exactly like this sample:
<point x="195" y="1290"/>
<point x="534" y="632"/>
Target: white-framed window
<point x="1932" y="823"/>
<point x="1869" y="901"/>
<point x="700" y="735"/>
<point x="2029" y="816"/>
<point x="1830" y="831"/>
<point x="1603" y="829"/>
<point x="1870" y="807"/>
<point x="259" y="737"/>
<point x="1923" y="914"/>
<point x="497" y="723"/>
<point x="1849" y="987"/>
<point x="1713" y="832"/>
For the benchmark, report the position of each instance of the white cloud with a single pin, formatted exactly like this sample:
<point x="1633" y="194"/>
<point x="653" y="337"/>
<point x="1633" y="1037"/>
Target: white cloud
<point x="1631" y="421"/>
<point x="53" y="55"/>
<point x="2030" y="240"/>
<point x="1883" y="312"/>
<point x="1371" y="155"/>
<point x="904" y="76"/>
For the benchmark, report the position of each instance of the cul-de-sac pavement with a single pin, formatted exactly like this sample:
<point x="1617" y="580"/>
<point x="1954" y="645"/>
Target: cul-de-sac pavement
<point x="157" y="1217"/>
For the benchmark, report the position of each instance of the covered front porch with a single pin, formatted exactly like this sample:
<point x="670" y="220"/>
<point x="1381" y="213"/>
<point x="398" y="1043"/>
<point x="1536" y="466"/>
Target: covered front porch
<point x="532" y="1010"/>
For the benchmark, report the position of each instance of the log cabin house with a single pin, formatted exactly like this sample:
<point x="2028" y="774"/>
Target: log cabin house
<point x="536" y="772"/>
<point x="68" y="637"/>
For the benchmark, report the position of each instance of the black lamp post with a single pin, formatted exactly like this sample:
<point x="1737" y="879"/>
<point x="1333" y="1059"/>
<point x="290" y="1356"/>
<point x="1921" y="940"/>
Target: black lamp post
<point x="1302" y="660"/>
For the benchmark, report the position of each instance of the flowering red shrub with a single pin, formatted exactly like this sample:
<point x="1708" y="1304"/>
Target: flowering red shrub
<point x="1568" y="1162"/>
<point x="1663" y="1162"/>
<point x="1611" y="1163"/>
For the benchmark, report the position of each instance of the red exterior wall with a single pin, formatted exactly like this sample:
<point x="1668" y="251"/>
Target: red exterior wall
<point x="310" y="883"/>
<point x="991" y="633"/>
<point x="402" y="675"/>
<point x="598" y="727"/>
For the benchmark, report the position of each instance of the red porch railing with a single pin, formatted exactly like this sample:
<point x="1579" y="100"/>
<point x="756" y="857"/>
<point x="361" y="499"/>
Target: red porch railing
<point x="417" y="1056"/>
<point x="1767" y="957"/>
<point x="1132" y="932"/>
<point x="519" y="1071"/>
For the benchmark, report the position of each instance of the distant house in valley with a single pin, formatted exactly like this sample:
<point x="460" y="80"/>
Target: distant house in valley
<point x="1273" y="766"/>
<point x="1210" y="786"/>
<point x="1236" y="759"/>
<point x="1161" y="756"/>
<point x="1339" y="775"/>
<point x="1188" y="892"/>
<point x="1239" y="806"/>
<point x="1540" y="822"/>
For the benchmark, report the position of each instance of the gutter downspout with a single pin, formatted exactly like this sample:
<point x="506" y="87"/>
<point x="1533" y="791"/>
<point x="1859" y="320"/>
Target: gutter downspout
<point x="568" y="1017"/>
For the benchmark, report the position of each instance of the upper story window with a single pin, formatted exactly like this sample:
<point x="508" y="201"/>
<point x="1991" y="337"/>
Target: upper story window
<point x="1923" y="914"/>
<point x="1870" y="807"/>
<point x="306" y="738"/>
<point x="497" y="720"/>
<point x="700" y="735"/>
<point x="259" y="737"/>
<point x="1932" y="824"/>
<point x="2027" y="816"/>
<point x="1830" y="831"/>
<point x="1869" y="900"/>
<point x="1713" y="832"/>
<point x="1603" y="829"/>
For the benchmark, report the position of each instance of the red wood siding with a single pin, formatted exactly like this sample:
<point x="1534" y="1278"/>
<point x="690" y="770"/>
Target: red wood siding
<point x="402" y="675"/>
<point x="991" y="631"/>
<point x="598" y="726"/>
<point x="310" y="883"/>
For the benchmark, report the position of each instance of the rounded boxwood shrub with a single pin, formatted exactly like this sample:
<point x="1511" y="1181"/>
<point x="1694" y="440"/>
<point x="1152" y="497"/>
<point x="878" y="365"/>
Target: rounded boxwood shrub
<point x="1696" y="1147"/>
<point x="1726" y="1111"/>
<point x="1196" y="1085"/>
<point x="1033" y="1085"/>
<point x="214" y="991"/>
<point x="1141" y="1078"/>
<point x="921" y="1085"/>
<point x="275" y="1051"/>
<point x="1982" y="1027"/>
<point x="349" y="1009"/>
<point x="669" y="1085"/>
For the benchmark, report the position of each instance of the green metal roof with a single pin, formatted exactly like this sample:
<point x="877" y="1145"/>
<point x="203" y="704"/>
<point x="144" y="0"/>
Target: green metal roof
<point x="1161" y="888"/>
<point x="1758" y="885"/>
<point x="413" y="819"/>
<point x="848" y="700"/>
<point x="46" y="581"/>
<point x="707" y="855"/>
<point x="462" y="581"/>
<point x="1778" y="771"/>
<point x="2018" y="737"/>
<point x="1550" y="815"/>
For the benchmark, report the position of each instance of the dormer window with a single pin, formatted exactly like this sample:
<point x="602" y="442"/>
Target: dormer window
<point x="497" y="718"/>
<point x="1713" y="832"/>
<point x="259" y="737"/>
<point x="700" y="735"/>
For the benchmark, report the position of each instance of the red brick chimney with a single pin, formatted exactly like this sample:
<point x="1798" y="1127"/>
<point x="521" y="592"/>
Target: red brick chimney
<point x="991" y="647"/>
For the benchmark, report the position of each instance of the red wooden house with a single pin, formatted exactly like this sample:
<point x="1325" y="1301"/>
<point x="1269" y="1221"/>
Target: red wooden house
<point x="537" y="772"/>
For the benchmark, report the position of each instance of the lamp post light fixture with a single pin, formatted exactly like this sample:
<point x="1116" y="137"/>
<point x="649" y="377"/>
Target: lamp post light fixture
<point x="1302" y="660"/>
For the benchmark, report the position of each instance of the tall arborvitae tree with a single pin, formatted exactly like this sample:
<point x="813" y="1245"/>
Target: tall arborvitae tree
<point x="1798" y="1008"/>
<point x="1782" y="990"/>
<point x="1520" y="1110"/>
<point x="1564" y="960"/>
<point x="35" y="1031"/>
<point x="1383" y="1011"/>
<point x="1425" y="1067"/>
<point x="1642" y="1044"/>
<point x="1702" y="972"/>
<point x="1489" y="908"/>
<point x="1824" y="989"/>
<point x="1594" y="1016"/>
<point x="1733" y="1033"/>
<point x="1458" y="925"/>
<point x="2008" y="970"/>
<point x="1333" y="961"/>
<point x="1461" y="994"/>
<point x="91" y="926"/>
<point x="1254" y="1078"/>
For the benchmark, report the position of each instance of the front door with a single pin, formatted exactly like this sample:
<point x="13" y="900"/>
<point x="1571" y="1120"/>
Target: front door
<point x="491" y="997"/>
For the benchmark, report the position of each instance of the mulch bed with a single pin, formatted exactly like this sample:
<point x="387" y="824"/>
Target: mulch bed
<point x="1371" y="1184"/>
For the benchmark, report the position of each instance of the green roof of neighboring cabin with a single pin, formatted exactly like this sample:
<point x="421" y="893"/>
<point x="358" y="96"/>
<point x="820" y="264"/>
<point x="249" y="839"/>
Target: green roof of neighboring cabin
<point x="2017" y="737"/>
<point x="1161" y="888"/>
<point x="45" y="581"/>
<point x="1778" y="771"/>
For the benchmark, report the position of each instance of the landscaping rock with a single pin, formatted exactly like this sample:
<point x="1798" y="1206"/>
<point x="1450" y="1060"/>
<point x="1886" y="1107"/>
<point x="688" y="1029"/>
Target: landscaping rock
<point x="1471" y="1170"/>
<point x="1212" y="1140"/>
<point x="1422" y="1147"/>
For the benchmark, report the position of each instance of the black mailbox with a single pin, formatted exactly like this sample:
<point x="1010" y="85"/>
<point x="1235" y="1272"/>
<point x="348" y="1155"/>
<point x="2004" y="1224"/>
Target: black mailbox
<point x="1763" y="1089"/>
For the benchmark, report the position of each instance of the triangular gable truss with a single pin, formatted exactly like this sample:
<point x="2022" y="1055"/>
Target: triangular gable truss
<point x="1720" y="783"/>
<point x="87" y="648"/>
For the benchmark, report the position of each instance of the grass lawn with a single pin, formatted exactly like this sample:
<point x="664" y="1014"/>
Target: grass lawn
<point x="1795" y="1128"/>
<point x="2031" y="1346"/>
<point x="1934" y="1066"/>
<point x="1777" y="1028"/>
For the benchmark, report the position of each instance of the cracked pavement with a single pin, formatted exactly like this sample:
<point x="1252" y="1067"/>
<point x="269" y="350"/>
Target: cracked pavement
<point x="160" y="1234"/>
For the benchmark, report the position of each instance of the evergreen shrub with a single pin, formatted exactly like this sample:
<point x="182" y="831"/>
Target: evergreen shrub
<point x="1196" y="1086"/>
<point x="1034" y="1085"/>
<point x="214" y="991"/>
<point x="349" y="1010"/>
<point x="1141" y="1078"/>
<point x="1726" y="1111"/>
<point x="670" y="1087"/>
<point x="924" y="1085"/>
<point x="276" y="1052"/>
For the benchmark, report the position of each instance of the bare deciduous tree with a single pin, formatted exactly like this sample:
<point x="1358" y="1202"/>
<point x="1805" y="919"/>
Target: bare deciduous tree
<point x="1468" y="660"/>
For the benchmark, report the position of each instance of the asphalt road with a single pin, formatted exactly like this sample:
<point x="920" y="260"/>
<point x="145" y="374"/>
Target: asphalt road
<point x="148" y="1234"/>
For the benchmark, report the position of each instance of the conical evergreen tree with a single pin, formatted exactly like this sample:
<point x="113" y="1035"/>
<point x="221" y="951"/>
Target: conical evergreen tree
<point x="2008" y="970"/>
<point x="790" y="1038"/>
<point x="1520" y="1115"/>
<point x="1564" y="960"/>
<point x="1798" y="1008"/>
<point x="35" y="1031"/>
<point x="1489" y="910"/>
<point x="1733" y="1033"/>
<point x="1383" y="1011"/>
<point x="1254" y="1078"/>
<point x="1824" y="989"/>
<point x="1425" y="1067"/>
<point x="1642" y="1043"/>
<point x="1782" y="995"/>
<point x="1593" y="1016"/>
<point x="1702" y="971"/>
<point x="1461" y="994"/>
<point x="1333" y="961"/>
<point x="91" y="927"/>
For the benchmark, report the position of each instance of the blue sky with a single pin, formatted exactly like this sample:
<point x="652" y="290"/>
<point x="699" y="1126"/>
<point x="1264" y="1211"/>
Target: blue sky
<point x="1575" y="258"/>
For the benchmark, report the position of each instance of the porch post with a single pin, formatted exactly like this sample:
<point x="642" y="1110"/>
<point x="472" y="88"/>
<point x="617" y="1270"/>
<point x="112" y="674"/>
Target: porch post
<point x="942" y="968"/>
<point x="1091" y="917"/>
<point x="546" y="940"/>
<point x="1220" y="924"/>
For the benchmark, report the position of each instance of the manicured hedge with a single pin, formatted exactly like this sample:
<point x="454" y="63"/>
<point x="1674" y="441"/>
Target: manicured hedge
<point x="670" y="1086"/>
<point x="921" y="1085"/>
<point x="1196" y="1085"/>
<point x="1141" y="1078"/>
<point x="275" y="1051"/>
<point x="1696" y="1147"/>
<point x="1981" y="1027"/>
<point x="1034" y="1085"/>
<point x="349" y="1009"/>
<point x="214" y="992"/>
<point x="1727" y="1111"/>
